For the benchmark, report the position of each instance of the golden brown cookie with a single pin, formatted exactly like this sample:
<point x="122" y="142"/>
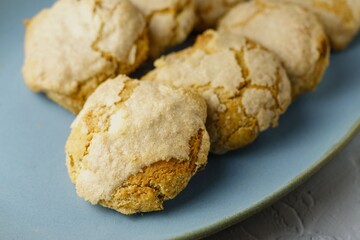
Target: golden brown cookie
<point x="169" y="22"/>
<point x="208" y="12"/>
<point x="244" y="85"/>
<point x="291" y="32"/>
<point x="136" y="144"/>
<point x="340" y="18"/>
<point x="75" y="45"/>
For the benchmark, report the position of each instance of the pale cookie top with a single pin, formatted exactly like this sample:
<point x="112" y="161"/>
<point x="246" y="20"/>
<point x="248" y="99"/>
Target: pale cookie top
<point x="153" y="123"/>
<point x="169" y="22"/>
<point x="75" y="41"/>
<point x="340" y="18"/>
<point x="209" y="11"/>
<point x="291" y="32"/>
<point x="223" y="68"/>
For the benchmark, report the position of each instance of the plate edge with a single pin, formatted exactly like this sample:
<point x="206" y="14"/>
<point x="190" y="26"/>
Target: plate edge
<point x="266" y="202"/>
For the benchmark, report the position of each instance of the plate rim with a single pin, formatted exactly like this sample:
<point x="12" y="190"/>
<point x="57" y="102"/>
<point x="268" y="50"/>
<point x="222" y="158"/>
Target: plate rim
<point x="275" y="196"/>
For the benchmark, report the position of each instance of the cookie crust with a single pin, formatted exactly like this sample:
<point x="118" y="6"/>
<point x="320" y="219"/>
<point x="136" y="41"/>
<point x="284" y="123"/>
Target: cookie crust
<point x="75" y="45"/>
<point x="136" y="144"/>
<point x="340" y="18"/>
<point x="208" y="12"/>
<point x="169" y="22"/>
<point x="244" y="85"/>
<point x="291" y="32"/>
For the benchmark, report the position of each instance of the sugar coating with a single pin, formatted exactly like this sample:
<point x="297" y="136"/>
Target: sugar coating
<point x="244" y="85"/>
<point x="208" y="12"/>
<point x="340" y="18"/>
<point x="169" y="22"/>
<point x="127" y="126"/>
<point x="291" y="32"/>
<point x="75" y="45"/>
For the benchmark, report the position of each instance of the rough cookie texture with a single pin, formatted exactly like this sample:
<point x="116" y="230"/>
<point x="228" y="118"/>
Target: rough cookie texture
<point x="169" y="22"/>
<point x="136" y="144"/>
<point x="244" y="85"/>
<point x="75" y="45"/>
<point x="208" y="12"/>
<point x="340" y="18"/>
<point x="288" y="30"/>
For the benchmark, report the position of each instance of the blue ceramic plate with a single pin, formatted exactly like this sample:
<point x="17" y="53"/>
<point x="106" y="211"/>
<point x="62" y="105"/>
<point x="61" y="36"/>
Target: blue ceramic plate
<point x="38" y="201"/>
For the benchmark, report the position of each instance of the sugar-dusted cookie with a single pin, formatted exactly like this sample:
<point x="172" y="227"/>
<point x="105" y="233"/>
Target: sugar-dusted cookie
<point x="208" y="12"/>
<point x="75" y="45"/>
<point x="169" y="22"/>
<point x="340" y="18"/>
<point x="136" y="144"/>
<point x="291" y="32"/>
<point x="244" y="85"/>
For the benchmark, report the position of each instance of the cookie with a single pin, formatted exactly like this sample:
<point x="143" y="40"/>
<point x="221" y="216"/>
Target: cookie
<point x="244" y="85"/>
<point x="169" y="22"/>
<point x="136" y="144"/>
<point x="75" y="45"/>
<point x="291" y="32"/>
<point x="340" y="18"/>
<point x="208" y="12"/>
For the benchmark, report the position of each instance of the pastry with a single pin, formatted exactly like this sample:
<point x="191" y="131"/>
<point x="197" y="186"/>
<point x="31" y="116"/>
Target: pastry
<point x="288" y="30"/>
<point x="169" y="22"/>
<point x="340" y="18"/>
<point x="75" y="45"/>
<point x="244" y="85"/>
<point x="208" y="12"/>
<point x="136" y="144"/>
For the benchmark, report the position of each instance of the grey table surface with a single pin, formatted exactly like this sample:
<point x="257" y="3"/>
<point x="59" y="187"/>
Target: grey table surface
<point x="326" y="207"/>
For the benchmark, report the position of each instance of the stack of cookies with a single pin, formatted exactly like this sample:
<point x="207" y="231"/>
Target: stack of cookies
<point x="136" y="143"/>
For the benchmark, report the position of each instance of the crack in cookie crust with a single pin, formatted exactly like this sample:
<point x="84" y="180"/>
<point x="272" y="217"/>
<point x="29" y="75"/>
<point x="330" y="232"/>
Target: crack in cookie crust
<point x="97" y="120"/>
<point x="243" y="97"/>
<point x="295" y="39"/>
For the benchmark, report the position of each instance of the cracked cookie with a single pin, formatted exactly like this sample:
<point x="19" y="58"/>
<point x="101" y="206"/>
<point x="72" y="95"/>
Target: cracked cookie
<point x="340" y="18"/>
<point x="244" y="85"/>
<point x="75" y="45"/>
<point x="136" y="144"/>
<point x="208" y="12"/>
<point x="288" y="30"/>
<point x="169" y="22"/>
